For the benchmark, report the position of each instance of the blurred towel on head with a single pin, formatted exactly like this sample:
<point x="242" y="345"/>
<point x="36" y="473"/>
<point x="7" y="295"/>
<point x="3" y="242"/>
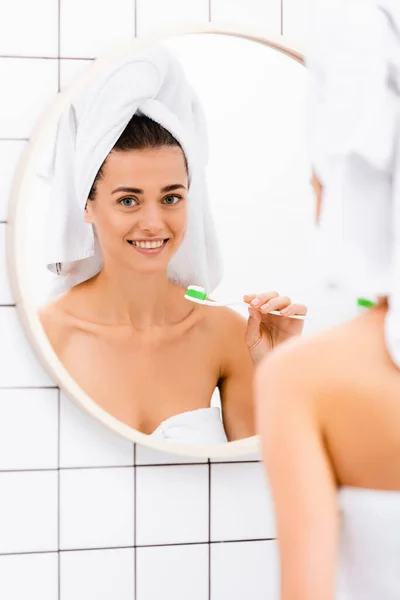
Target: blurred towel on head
<point x="353" y="123"/>
<point x="148" y="81"/>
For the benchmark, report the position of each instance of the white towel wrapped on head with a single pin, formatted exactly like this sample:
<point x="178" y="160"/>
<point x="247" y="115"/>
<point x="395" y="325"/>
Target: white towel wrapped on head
<point x="152" y="82"/>
<point x="354" y="119"/>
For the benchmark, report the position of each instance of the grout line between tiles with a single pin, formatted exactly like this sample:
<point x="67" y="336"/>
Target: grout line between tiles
<point x="281" y="17"/>
<point x="12" y="139"/>
<point x="28" y="387"/>
<point x="59" y="56"/>
<point x="77" y="58"/>
<point x="135" y="16"/>
<point x="88" y="468"/>
<point x="48" y="470"/>
<point x="211" y="543"/>
<point x="187" y="464"/>
<point x="29" y="552"/>
<point x="209" y="11"/>
<point x="166" y="545"/>
<point x="103" y="548"/>
<point x="24" y="57"/>
<point x="59" y="46"/>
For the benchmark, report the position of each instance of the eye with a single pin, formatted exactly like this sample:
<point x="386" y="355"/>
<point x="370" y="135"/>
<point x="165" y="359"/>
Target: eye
<point x="171" y="200"/>
<point x="127" y="202"/>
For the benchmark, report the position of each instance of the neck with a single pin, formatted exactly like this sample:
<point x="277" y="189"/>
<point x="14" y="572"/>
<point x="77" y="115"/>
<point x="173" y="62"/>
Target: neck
<point x="124" y="297"/>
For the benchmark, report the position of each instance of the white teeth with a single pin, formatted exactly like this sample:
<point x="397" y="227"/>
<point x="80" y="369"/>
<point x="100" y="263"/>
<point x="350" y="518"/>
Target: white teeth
<point x="149" y="245"/>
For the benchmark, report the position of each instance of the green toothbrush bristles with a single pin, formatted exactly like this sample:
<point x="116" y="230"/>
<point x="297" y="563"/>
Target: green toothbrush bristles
<point x="196" y="292"/>
<point x="365" y="303"/>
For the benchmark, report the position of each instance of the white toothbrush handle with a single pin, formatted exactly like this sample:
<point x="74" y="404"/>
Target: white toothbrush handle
<point x="273" y="312"/>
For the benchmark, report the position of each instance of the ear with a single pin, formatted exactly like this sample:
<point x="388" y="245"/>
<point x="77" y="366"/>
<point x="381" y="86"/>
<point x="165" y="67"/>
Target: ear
<point x="88" y="214"/>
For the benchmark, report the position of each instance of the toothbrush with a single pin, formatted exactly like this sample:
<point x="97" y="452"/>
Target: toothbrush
<point x="365" y="303"/>
<point x="198" y="294"/>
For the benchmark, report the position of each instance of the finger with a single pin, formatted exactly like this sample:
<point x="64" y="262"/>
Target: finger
<point x="255" y="316"/>
<point x="294" y="309"/>
<point x="289" y="310"/>
<point x="279" y="303"/>
<point x="253" y="333"/>
<point x="248" y="298"/>
<point x="261" y="299"/>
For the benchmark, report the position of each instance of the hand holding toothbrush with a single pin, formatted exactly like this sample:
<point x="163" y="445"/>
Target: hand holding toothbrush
<point x="265" y="330"/>
<point x="273" y="319"/>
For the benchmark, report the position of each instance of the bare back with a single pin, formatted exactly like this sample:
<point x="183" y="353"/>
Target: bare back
<point x="345" y="387"/>
<point x="330" y="418"/>
<point x="359" y="403"/>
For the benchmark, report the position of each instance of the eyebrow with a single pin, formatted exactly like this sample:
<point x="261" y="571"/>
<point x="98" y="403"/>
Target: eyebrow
<point x="132" y="190"/>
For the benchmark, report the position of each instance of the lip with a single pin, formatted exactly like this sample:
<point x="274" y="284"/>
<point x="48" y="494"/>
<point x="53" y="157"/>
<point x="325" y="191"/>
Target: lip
<point x="149" y="251"/>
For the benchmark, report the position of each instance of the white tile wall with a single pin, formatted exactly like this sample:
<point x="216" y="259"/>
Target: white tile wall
<point x="253" y="569"/>
<point x="89" y="28"/>
<point x="18" y="36"/>
<point x="28" y="511"/>
<point x="149" y="456"/>
<point x="98" y="575"/>
<point x="29" y="576"/>
<point x="253" y="457"/>
<point x="175" y="572"/>
<point x="86" y="443"/>
<point x="157" y="15"/>
<point x="70" y="69"/>
<point x="296" y="17"/>
<point x="172" y="503"/>
<point x="66" y="482"/>
<point x="28" y="85"/>
<point x="28" y="429"/>
<point x="241" y="505"/>
<point x="97" y="508"/>
<point x="10" y="153"/>
<point x="19" y="365"/>
<point x="265" y="14"/>
<point x="5" y="291"/>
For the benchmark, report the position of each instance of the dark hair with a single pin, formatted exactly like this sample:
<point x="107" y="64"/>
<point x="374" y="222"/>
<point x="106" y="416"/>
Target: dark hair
<point x="140" y="133"/>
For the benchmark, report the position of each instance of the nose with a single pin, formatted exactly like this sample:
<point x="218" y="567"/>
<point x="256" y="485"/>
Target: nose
<point x="151" y="219"/>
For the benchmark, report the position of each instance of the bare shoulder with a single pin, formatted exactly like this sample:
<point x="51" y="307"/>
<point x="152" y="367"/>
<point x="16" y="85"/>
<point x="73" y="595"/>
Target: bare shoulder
<point x="359" y="341"/>
<point x="225" y="321"/>
<point x="227" y="332"/>
<point x="338" y="366"/>
<point x="56" y="323"/>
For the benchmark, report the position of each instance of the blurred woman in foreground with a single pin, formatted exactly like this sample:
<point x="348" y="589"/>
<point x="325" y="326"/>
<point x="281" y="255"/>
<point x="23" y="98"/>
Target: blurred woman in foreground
<point x="329" y="404"/>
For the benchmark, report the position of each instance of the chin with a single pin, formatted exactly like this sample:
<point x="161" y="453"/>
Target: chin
<point x="154" y="269"/>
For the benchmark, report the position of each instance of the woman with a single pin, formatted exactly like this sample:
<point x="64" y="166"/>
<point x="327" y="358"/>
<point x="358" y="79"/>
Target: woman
<point x="329" y="405"/>
<point x="127" y="335"/>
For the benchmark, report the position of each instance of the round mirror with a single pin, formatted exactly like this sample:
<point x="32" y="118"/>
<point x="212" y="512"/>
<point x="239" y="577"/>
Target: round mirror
<point x="228" y="203"/>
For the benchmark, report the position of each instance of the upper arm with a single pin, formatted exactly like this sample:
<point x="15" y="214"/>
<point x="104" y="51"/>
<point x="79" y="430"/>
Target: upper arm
<point x="236" y="384"/>
<point x="302" y="482"/>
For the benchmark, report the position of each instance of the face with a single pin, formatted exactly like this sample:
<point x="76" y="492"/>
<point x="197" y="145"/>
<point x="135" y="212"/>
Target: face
<point x="318" y="189"/>
<point x="140" y="208"/>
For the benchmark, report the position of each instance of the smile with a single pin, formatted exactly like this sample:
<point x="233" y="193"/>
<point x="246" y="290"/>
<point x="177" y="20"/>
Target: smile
<point x="148" y="247"/>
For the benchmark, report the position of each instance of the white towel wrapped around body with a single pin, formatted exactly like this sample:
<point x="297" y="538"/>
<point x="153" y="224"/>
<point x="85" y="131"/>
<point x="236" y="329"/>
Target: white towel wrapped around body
<point x="152" y="82"/>
<point x="354" y="119"/>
